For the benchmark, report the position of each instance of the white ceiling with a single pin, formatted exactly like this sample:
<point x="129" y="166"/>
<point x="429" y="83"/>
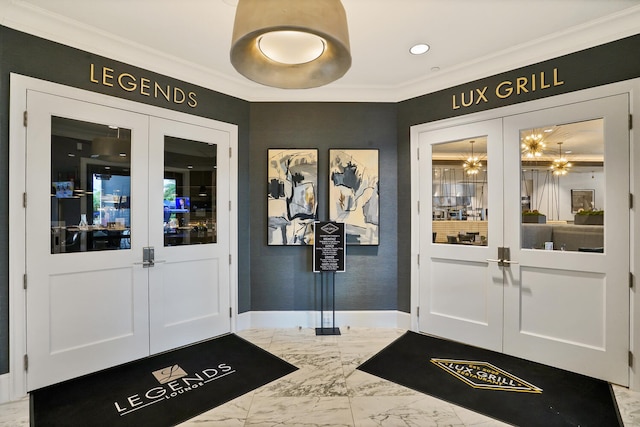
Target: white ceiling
<point x="469" y="39"/>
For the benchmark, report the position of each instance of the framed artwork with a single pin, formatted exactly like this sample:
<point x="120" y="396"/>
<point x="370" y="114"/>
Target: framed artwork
<point x="582" y="199"/>
<point x="292" y="186"/>
<point x="354" y="193"/>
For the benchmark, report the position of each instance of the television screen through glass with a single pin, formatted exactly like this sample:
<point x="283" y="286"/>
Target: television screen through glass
<point x="182" y="204"/>
<point x="64" y="189"/>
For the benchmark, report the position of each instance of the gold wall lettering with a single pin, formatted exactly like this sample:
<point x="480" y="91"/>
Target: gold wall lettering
<point x="507" y="88"/>
<point x="142" y="85"/>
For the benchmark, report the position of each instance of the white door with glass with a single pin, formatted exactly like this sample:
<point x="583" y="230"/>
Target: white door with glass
<point x="124" y="257"/>
<point x="547" y="278"/>
<point x="461" y="293"/>
<point x="188" y="285"/>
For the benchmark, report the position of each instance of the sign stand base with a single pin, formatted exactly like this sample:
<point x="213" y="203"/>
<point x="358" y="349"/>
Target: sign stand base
<point x="327" y="331"/>
<point x="332" y="330"/>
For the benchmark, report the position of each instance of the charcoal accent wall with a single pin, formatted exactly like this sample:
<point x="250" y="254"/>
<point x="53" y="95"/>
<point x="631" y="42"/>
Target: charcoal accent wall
<point x="281" y="276"/>
<point x="35" y="57"/>
<point x="608" y="63"/>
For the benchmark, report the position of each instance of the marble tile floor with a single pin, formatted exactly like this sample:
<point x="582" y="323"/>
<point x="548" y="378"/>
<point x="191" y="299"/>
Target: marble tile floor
<point x="328" y="391"/>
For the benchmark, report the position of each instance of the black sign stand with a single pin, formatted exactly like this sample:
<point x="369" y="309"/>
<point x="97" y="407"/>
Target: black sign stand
<point x="328" y="257"/>
<point x="332" y="330"/>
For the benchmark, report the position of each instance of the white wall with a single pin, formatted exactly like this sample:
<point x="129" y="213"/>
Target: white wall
<point x="552" y="196"/>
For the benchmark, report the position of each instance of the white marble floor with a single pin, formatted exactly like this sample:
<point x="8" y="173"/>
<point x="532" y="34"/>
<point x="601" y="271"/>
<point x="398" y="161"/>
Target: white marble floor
<point x="327" y="390"/>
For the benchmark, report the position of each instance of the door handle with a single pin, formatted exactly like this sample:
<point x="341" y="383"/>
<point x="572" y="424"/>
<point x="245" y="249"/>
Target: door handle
<point x="504" y="255"/>
<point x="145" y="264"/>
<point x="148" y="256"/>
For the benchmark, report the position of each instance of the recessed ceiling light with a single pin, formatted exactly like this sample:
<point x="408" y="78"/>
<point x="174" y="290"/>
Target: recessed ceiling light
<point x="419" y="49"/>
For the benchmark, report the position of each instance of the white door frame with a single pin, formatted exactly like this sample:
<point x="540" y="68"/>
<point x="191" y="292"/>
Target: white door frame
<point x="632" y="87"/>
<point x="17" y="170"/>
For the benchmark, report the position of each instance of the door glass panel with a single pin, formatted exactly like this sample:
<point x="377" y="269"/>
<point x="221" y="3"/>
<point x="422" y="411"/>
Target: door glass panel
<point x="189" y="192"/>
<point x="562" y="187"/>
<point x="460" y="192"/>
<point x="90" y="186"/>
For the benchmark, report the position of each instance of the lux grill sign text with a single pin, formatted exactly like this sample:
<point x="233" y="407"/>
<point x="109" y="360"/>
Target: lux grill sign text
<point x="507" y="88"/>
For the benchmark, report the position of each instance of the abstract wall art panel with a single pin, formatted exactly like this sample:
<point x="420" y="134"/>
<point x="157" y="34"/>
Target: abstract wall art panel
<point x="292" y="187"/>
<point x="354" y="194"/>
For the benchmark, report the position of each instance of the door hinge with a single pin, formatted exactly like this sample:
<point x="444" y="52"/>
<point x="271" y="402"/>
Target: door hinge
<point x="230" y="313"/>
<point x="630" y="200"/>
<point x="230" y="152"/>
<point x="229" y="259"/>
<point x="418" y="153"/>
<point x="229" y="205"/>
<point x="24" y="281"/>
<point x="418" y="207"/>
<point x="24" y="118"/>
<point x="418" y="311"/>
<point x="631" y="280"/>
<point x="418" y="258"/>
<point x="630" y="359"/>
<point x="24" y="200"/>
<point x="630" y="121"/>
<point x="25" y="362"/>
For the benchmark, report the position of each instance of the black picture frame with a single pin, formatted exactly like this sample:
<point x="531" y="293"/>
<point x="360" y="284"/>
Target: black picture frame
<point x="582" y="199"/>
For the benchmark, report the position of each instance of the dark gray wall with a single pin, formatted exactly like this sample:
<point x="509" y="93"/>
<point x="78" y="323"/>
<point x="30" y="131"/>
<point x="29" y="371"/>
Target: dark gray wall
<point x="281" y="276"/>
<point x="34" y="57"/>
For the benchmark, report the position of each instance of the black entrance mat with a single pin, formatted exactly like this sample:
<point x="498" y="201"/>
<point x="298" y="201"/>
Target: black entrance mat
<point x="506" y="388"/>
<point x="160" y="390"/>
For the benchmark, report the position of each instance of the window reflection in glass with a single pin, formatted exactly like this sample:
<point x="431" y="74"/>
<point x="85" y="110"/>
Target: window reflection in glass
<point x="90" y="186"/>
<point x="189" y="199"/>
<point x="562" y="187"/>
<point x="460" y="192"/>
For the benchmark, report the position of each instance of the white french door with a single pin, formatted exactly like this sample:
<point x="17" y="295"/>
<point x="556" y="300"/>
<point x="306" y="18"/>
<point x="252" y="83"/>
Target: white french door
<point x="569" y="307"/>
<point x="188" y="285"/>
<point x="119" y="263"/>
<point x="461" y="293"/>
<point x="556" y="293"/>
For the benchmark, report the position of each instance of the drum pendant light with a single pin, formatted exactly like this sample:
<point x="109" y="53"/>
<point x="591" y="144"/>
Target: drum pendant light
<point x="291" y="44"/>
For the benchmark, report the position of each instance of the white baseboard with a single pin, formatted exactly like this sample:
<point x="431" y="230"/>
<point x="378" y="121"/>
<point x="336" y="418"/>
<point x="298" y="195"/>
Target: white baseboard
<point x="311" y="319"/>
<point x="5" y="389"/>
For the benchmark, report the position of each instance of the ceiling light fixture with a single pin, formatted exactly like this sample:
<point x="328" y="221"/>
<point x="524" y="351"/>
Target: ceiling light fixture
<point x="561" y="165"/>
<point x="291" y="44"/>
<point x="419" y="49"/>
<point x="291" y="47"/>
<point x="472" y="165"/>
<point x="532" y="145"/>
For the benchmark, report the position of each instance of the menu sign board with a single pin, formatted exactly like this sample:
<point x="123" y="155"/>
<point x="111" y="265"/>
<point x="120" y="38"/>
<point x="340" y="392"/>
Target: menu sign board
<point x="329" y="247"/>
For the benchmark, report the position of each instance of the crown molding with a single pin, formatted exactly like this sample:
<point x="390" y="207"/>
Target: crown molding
<point x="24" y="17"/>
<point x="604" y="30"/>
